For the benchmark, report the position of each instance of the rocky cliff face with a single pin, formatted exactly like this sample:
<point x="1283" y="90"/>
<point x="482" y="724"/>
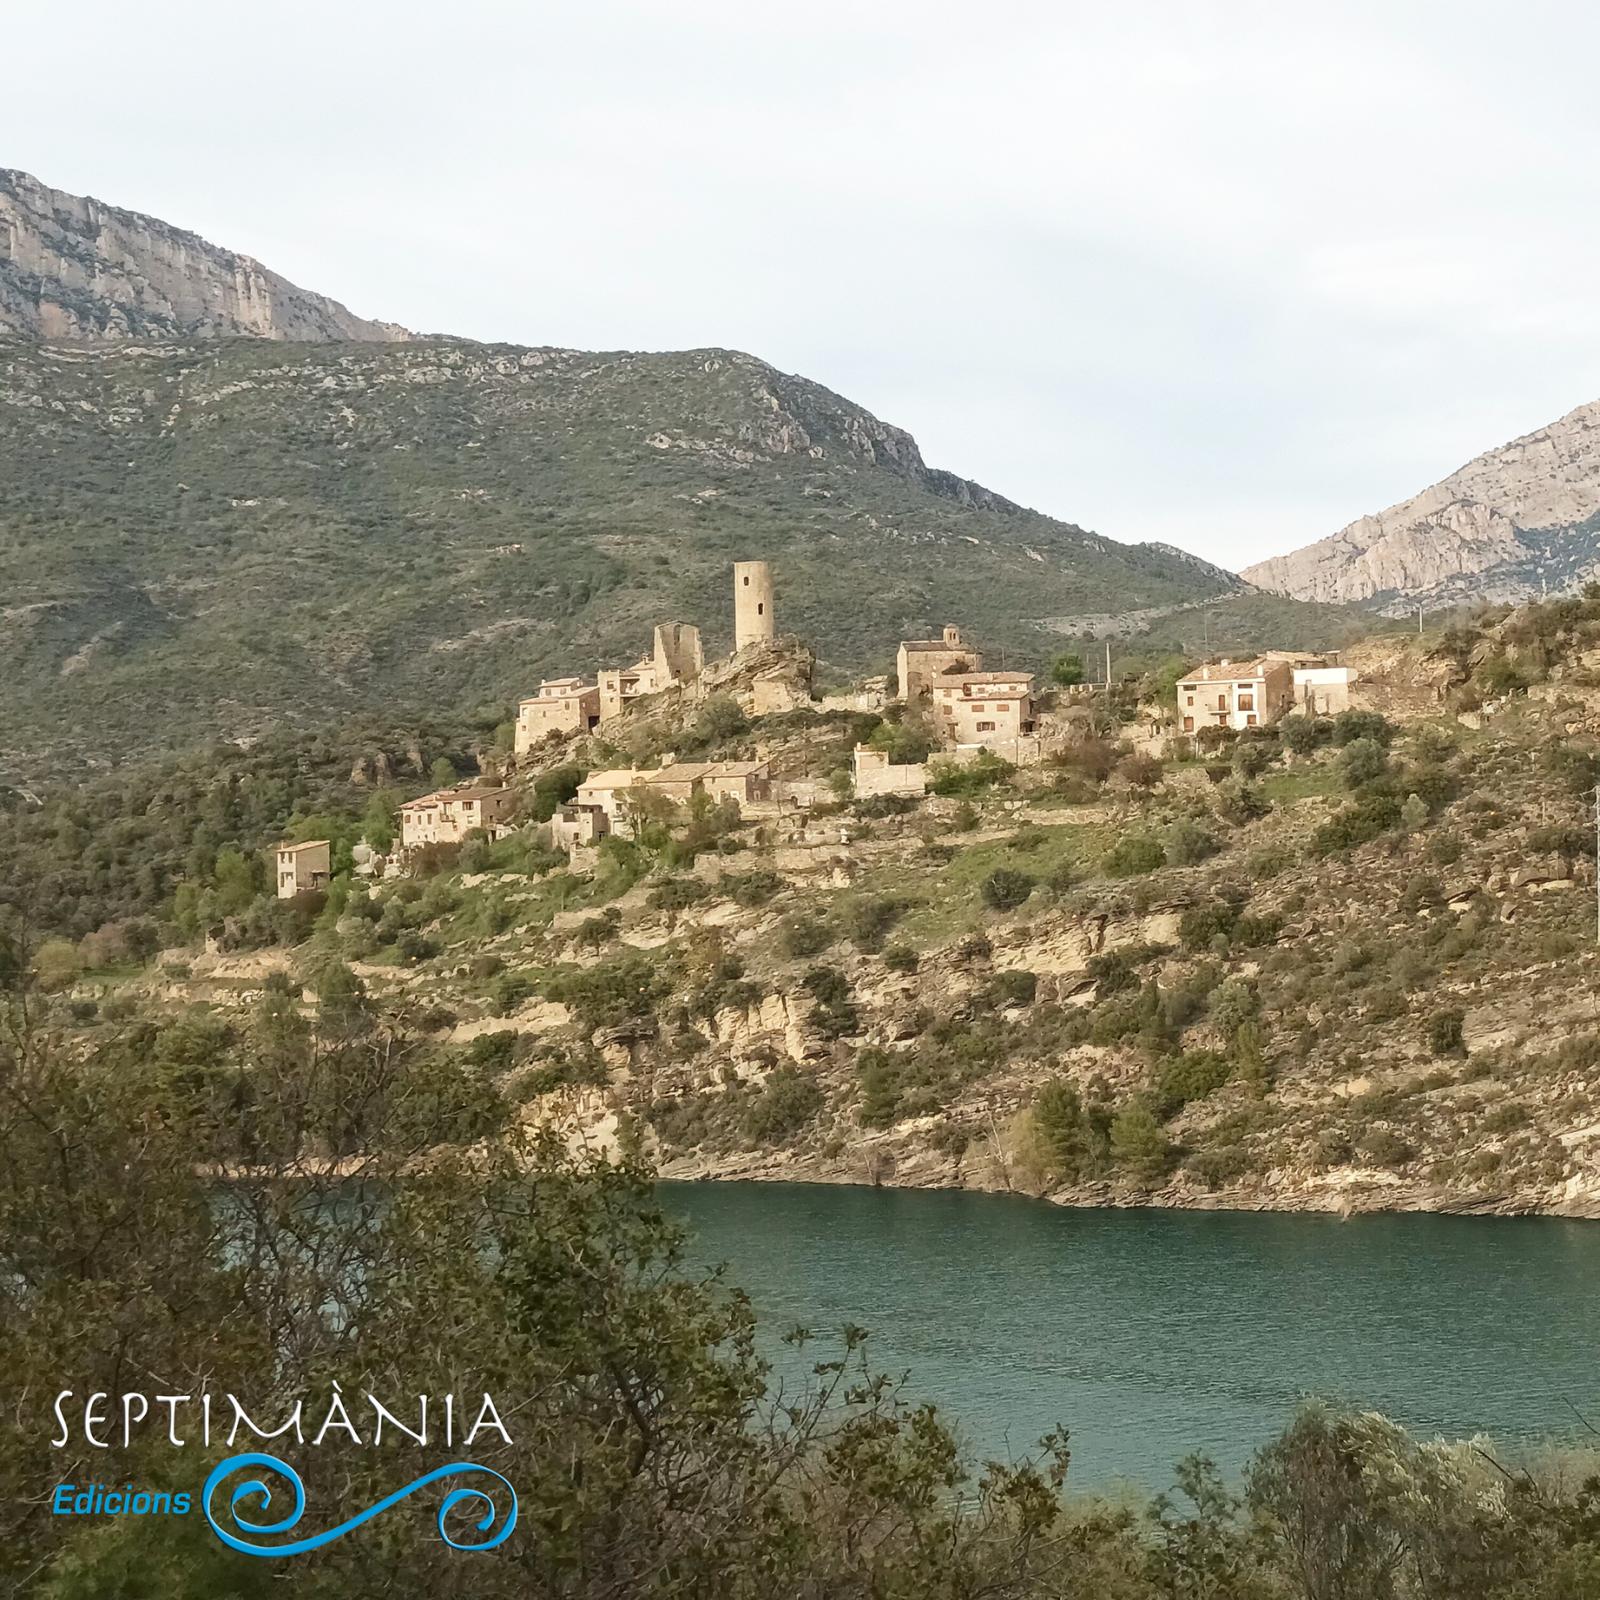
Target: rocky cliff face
<point x="1510" y="524"/>
<point x="73" y="268"/>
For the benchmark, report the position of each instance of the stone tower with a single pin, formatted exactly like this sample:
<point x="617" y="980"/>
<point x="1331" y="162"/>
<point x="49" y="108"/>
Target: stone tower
<point x="752" y="603"/>
<point x="676" y="653"/>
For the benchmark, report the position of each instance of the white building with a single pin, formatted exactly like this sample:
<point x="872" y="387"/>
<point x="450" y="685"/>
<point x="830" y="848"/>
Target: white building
<point x="448" y="815"/>
<point x="1235" y="694"/>
<point x="303" y="867"/>
<point x="874" y="774"/>
<point x="1322" y="691"/>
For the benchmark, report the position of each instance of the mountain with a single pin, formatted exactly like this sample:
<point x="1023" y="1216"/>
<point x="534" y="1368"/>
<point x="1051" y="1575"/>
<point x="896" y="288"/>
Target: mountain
<point x="76" y="268"/>
<point x="204" y="539"/>
<point x="1511" y="524"/>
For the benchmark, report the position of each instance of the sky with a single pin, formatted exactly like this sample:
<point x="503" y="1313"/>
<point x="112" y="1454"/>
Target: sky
<point x="1223" y="275"/>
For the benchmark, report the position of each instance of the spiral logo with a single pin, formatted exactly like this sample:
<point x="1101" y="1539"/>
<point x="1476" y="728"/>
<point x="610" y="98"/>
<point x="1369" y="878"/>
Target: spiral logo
<point x="255" y="1488"/>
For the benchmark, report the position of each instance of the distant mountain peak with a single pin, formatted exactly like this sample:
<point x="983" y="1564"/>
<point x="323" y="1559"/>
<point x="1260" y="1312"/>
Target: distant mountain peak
<point x="75" y="268"/>
<point x="1515" y="522"/>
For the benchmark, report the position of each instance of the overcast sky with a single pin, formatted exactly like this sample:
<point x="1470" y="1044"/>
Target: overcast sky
<point x="1223" y="275"/>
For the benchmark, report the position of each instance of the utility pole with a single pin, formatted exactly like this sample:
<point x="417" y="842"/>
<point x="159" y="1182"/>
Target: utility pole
<point x="1111" y="722"/>
<point x="1419" y="621"/>
<point x="1597" y="864"/>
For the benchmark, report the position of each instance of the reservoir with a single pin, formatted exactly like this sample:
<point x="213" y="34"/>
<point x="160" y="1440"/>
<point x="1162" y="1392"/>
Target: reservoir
<point x="1152" y="1334"/>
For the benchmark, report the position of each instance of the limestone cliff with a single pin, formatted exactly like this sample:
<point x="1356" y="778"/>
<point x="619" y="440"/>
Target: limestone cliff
<point x="73" y="268"/>
<point x="1511" y="523"/>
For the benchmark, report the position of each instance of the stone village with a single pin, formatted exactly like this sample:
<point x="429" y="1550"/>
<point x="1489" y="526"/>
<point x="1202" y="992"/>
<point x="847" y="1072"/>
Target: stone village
<point x="969" y="711"/>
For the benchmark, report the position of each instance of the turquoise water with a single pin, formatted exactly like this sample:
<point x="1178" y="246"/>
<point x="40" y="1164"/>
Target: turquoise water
<point x="1150" y="1334"/>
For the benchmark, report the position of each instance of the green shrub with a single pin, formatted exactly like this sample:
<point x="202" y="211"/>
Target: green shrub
<point x="1332" y="1148"/>
<point x="1383" y="1147"/>
<point x="1191" y="1076"/>
<point x="1005" y="889"/>
<point x="967" y="778"/>
<point x="1361" y="762"/>
<point x="805" y="935"/>
<point x="1358" y="823"/>
<point x="883" y="805"/>
<point x="678" y="894"/>
<point x="1446" y="1030"/>
<point x="620" y="990"/>
<point x="751" y="888"/>
<point x="1303" y="734"/>
<point x="1112" y="971"/>
<point x="878" y="1083"/>
<point x="1139" y="1144"/>
<point x="1188" y="844"/>
<point x="552" y="790"/>
<point x="1233" y="1003"/>
<point x="900" y="958"/>
<point x="595" y="931"/>
<point x="1350" y="726"/>
<point x="785" y="1104"/>
<point x="1445" y="848"/>
<point x="1220" y="1165"/>
<point x="1132" y="855"/>
<point x="868" y="921"/>
<point x="1073" y="1138"/>
<point x="1013" y="988"/>
<point x="905" y="743"/>
<point x="834" y="1015"/>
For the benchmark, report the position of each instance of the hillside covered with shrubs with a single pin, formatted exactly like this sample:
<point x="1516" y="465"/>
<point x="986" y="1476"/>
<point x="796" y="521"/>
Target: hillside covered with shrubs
<point x="1340" y="963"/>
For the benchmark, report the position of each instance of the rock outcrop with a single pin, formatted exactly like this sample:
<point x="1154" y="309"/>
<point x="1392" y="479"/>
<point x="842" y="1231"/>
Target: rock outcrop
<point x="1509" y="525"/>
<point x="74" y="268"/>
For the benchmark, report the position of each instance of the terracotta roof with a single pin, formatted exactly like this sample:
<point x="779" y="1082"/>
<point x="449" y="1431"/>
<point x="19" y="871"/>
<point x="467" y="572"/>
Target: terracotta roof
<point x="689" y="771"/>
<point x="472" y="791"/>
<point x="616" y="778"/>
<point x="1226" y="671"/>
<point x="578" y="688"/>
<point x="310" y="844"/>
<point x="937" y="644"/>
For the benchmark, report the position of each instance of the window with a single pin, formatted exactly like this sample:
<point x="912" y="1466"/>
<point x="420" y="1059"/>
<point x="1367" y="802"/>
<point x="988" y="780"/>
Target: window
<point x="1188" y="724"/>
<point x="1250" y="722"/>
<point x="1222" y="702"/>
<point x="1191" y="700"/>
<point x="761" y="608"/>
<point x="1247" y="702"/>
<point x="980" y="706"/>
<point x="747" y="580"/>
<point x="985" y="727"/>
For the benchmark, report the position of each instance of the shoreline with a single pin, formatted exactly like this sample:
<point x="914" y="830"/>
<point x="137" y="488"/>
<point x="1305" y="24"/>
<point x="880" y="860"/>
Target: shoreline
<point x="1362" y="1197"/>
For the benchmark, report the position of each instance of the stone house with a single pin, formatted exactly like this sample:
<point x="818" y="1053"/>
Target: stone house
<point x="303" y="867"/>
<point x="1322" y="691"/>
<point x="575" y="827"/>
<point x="562" y="706"/>
<point x="676" y="657"/>
<point x="989" y="709"/>
<point x="681" y="781"/>
<point x="604" y="791"/>
<point x="1235" y="694"/>
<point x="920" y="663"/>
<point x="875" y="774"/>
<point x="447" y="816"/>
<point x="746" y="782"/>
<point x="618" y="685"/>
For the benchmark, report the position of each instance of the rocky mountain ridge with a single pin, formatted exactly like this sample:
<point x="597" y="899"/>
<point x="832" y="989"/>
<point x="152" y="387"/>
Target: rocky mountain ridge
<point x="75" y="268"/>
<point x="1512" y="524"/>
<point x="201" y="538"/>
